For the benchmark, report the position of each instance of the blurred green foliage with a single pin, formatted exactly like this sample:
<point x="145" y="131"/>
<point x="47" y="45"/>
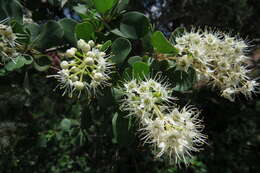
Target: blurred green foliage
<point x="65" y="135"/>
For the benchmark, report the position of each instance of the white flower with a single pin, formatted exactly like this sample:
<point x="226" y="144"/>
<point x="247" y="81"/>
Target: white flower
<point x="89" y="61"/>
<point x="84" y="71"/>
<point x="91" y="43"/>
<point x="98" y="77"/>
<point x="71" y="52"/>
<point x="218" y="59"/>
<point x="78" y="85"/>
<point x="173" y="133"/>
<point x="90" y="54"/>
<point x="176" y="134"/>
<point x="184" y="62"/>
<point x="85" y="47"/>
<point x="64" y="65"/>
<point x="8" y="43"/>
<point x="228" y="93"/>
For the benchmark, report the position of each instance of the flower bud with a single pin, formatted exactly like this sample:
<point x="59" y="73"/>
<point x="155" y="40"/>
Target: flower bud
<point x="89" y="61"/>
<point x="81" y="43"/>
<point x="91" y="43"/>
<point x="98" y="76"/>
<point x="85" y="47"/>
<point x="74" y="78"/>
<point x="102" y="54"/>
<point x="78" y="85"/>
<point x="91" y="54"/>
<point x="71" y="52"/>
<point x="64" y="65"/>
<point x="74" y="69"/>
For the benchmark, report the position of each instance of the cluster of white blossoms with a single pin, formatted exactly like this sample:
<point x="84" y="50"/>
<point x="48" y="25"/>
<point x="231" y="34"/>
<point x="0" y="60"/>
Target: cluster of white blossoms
<point x="217" y="58"/>
<point x="172" y="131"/>
<point x="86" y="68"/>
<point x="8" y="42"/>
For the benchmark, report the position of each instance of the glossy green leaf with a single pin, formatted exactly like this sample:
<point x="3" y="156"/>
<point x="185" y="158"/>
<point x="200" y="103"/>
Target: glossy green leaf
<point x="84" y="31"/>
<point x="122" y="4"/>
<point x="49" y="36"/>
<point x="134" y="25"/>
<point x="17" y="63"/>
<point x="103" y="6"/>
<point x="42" y="63"/>
<point x="106" y="45"/>
<point x="121" y="49"/>
<point x="162" y="45"/>
<point x="118" y="33"/>
<point x="33" y="30"/>
<point x="128" y="73"/>
<point x="11" y="9"/>
<point x="140" y="70"/>
<point x="134" y="59"/>
<point x="68" y="26"/>
<point x="183" y="80"/>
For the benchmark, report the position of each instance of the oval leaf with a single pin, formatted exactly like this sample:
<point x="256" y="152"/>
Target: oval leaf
<point x="134" y="25"/>
<point x="140" y="70"/>
<point x="103" y="6"/>
<point x="121" y="49"/>
<point x="49" y="36"/>
<point x="68" y="26"/>
<point x="84" y="31"/>
<point x="162" y="45"/>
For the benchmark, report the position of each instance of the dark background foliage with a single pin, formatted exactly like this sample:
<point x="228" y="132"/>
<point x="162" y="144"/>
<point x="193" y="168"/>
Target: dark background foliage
<point x="57" y="134"/>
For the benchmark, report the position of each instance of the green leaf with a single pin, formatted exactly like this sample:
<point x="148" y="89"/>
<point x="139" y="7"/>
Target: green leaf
<point x="118" y="32"/>
<point x="121" y="49"/>
<point x="42" y="63"/>
<point x="118" y="93"/>
<point x="134" y="59"/>
<point x="50" y="35"/>
<point x="17" y="63"/>
<point x="106" y="45"/>
<point x="183" y="80"/>
<point x="65" y="124"/>
<point x="128" y="73"/>
<point x="140" y="70"/>
<point x="103" y="6"/>
<point x="121" y="130"/>
<point x="34" y="30"/>
<point x="84" y="31"/>
<point x="2" y="72"/>
<point x="162" y="45"/>
<point x="68" y="26"/>
<point x="114" y="126"/>
<point x="122" y="4"/>
<point x="134" y="25"/>
<point x="11" y="9"/>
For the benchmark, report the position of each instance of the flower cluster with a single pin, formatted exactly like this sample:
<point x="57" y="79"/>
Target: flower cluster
<point x="86" y="68"/>
<point x="217" y="58"/>
<point x="8" y="42"/>
<point x="172" y="131"/>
